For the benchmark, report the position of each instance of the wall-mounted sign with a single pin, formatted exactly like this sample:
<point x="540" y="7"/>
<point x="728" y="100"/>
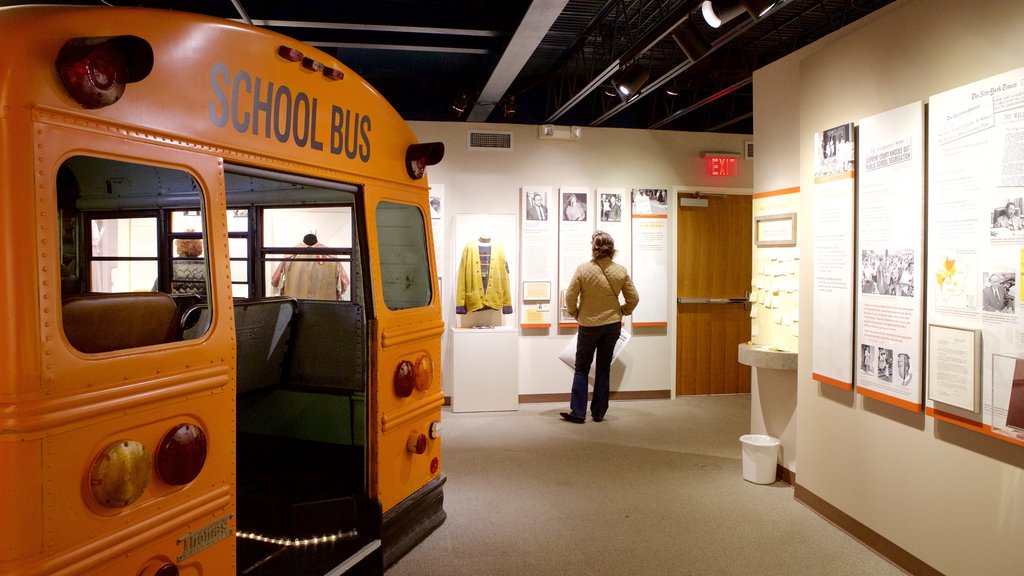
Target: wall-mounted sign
<point x="719" y="165"/>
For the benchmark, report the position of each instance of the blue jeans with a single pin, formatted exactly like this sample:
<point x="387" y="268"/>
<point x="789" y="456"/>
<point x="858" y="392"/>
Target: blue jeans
<point x="590" y="339"/>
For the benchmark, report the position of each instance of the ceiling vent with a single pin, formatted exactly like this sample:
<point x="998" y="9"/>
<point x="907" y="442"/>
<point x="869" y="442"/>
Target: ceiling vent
<point x="748" y="149"/>
<point x="495" y="141"/>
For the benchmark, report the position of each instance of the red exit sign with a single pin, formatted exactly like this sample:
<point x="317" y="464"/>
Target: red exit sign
<point x="720" y="165"/>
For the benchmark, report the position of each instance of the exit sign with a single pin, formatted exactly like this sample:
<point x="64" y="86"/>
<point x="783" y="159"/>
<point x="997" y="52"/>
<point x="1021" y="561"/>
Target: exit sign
<point x="715" y="165"/>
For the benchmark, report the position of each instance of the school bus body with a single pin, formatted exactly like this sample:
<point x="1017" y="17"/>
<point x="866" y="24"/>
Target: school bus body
<point x="218" y="93"/>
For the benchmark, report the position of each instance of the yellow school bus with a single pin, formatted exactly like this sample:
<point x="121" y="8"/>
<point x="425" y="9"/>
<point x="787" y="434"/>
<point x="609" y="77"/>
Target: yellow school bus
<point x="220" y="324"/>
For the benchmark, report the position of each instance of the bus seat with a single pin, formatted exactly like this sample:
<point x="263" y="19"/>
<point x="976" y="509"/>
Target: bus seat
<point x="262" y="329"/>
<point x="320" y="360"/>
<point x="102" y="322"/>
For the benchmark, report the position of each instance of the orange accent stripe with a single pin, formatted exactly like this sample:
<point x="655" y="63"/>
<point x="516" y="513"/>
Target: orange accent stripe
<point x="650" y="215"/>
<point x="567" y="325"/>
<point x="888" y="399"/>
<point x="781" y="192"/>
<point x="834" y="177"/>
<point x="832" y="381"/>
<point x="972" y="425"/>
<point x="650" y="323"/>
<point x="535" y="325"/>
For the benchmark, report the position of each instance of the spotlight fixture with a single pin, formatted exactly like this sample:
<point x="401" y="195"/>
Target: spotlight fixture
<point x="508" y="107"/>
<point x="718" y="12"/>
<point x="460" y="104"/>
<point x="628" y="80"/>
<point x="691" y="41"/>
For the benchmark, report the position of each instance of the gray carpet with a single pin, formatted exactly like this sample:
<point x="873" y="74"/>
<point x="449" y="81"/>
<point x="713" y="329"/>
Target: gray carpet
<point x="655" y="489"/>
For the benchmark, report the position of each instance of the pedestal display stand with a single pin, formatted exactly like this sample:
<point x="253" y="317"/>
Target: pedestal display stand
<point x="486" y="369"/>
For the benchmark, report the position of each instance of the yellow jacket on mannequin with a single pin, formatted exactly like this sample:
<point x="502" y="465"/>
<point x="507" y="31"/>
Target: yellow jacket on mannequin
<point x="470" y="293"/>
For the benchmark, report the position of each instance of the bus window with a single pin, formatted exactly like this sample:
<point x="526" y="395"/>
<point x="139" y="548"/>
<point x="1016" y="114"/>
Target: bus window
<point x="140" y="263"/>
<point x="238" y="251"/>
<point x="188" y="267"/>
<point x="309" y="252"/>
<point x="404" y="267"/>
<point x="123" y="254"/>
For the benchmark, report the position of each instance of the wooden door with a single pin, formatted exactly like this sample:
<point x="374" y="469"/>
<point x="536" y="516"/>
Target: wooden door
<point x="713" y="247"/>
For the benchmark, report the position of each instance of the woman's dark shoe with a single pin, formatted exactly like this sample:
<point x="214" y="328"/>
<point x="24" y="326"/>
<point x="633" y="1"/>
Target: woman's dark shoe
<point x="596" y="418"/>
<point x="574" y="419"/>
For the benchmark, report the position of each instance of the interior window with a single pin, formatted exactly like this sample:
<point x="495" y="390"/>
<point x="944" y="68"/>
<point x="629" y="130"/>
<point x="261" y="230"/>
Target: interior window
<point x="402" y="249"/>
<point x="309" y="252"/>
<point x="133" y="254"/>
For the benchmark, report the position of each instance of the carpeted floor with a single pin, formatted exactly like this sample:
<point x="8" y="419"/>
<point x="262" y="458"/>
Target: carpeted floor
<point x="655" y="489"/>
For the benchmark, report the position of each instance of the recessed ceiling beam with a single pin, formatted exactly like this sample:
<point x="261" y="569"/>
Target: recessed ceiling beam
<point x="535" y="25"/>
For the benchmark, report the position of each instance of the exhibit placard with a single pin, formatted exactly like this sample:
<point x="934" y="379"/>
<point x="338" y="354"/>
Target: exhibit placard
<point x="976" y="241"/>
<point x="576" y="224"/>
<point x="538" y="239"/>
<point x="650" y="255"/>
<point x="953" y="366"/>
<point x="832" y="298"/>
<point x="890" y="247"/>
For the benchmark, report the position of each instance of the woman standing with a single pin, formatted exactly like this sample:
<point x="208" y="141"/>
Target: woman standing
<point x="593" y="300"/>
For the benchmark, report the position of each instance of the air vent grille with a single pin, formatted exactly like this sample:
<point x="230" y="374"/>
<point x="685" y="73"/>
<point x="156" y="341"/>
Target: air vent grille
<point x="494" y="141"/>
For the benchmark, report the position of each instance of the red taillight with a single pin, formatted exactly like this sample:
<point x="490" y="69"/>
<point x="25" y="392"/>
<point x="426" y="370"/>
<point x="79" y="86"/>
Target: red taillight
<point x="416" y="443"/>
<point x="405" y="379"/>
<point x="160" y="569"/>
<point x="419" y="156"/>
<point x="182" y="454"/>
<point x="434" y="465"/>
<point x="95" y="71"/>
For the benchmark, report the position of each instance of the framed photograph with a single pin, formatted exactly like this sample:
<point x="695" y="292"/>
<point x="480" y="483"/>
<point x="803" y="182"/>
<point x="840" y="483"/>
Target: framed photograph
<point x="954" y="368"/>
<point x="536" y="291"/>
<point x="775" y="230"/>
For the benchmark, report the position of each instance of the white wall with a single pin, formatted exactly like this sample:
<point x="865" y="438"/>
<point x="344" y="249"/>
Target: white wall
<point x="950" y="497"/>
<point x="489" y="182"/>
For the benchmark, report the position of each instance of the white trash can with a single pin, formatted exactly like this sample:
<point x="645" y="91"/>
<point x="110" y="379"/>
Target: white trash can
<point x="760" y="457"/>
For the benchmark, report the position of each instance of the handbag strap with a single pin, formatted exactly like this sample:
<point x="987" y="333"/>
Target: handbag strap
<point x="608" y="280"/>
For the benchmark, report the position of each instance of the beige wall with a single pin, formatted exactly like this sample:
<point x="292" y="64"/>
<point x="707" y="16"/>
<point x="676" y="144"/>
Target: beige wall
<point x="950" y="497"/>
<point x="489" y="182"/>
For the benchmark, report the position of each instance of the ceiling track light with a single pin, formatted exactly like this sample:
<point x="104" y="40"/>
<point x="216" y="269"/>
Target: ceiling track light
<point x="718" y="12"/>
<point x="691" y="41"/>
<point x="629" y="79"/>
<point x="460" y="104"/>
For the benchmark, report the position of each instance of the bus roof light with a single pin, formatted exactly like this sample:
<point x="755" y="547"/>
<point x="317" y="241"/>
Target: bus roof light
<point x="95" y="71"/>
<point x="310" y="64"/>
<point x="289" y="54"/>
<point x="333" y="74"/>
<point x="419" y="156"/>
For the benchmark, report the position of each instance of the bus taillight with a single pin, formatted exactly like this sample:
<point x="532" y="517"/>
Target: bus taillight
<point x="416" y="443"/>
<point x="419" y="156"/>
<point x="411" y="376"/>
<point x="120" y="473"/>
<point x="95" y="71"/>
<point x="164" y="569"/>
<point x="182" y="454"/>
